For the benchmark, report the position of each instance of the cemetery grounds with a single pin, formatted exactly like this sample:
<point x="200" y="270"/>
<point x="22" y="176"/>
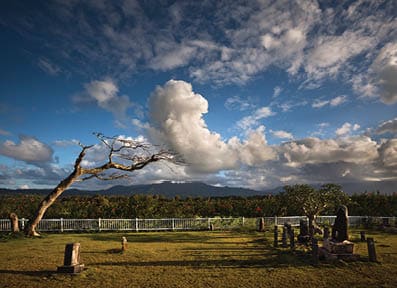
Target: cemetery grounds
<point x="190" y="259"/>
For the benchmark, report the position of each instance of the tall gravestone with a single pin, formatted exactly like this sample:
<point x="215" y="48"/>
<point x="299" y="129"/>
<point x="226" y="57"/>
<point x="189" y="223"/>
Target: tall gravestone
<point x="71" y="262"/>
<point x="303" y="237"/>
<point x="340" y="227"/>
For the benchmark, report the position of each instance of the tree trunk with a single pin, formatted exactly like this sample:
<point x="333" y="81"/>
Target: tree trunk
<point x="30" y="229"/>
<point x="14" y="222"/>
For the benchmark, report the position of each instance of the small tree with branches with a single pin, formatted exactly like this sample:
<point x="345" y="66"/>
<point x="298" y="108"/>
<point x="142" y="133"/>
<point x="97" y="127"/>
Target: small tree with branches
<point x="123" y="156"/>
<point x="306" y="200"/>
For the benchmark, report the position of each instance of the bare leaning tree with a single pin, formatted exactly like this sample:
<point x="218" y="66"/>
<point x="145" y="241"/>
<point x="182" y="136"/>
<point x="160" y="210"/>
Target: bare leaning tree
<point x="123" y="156"/>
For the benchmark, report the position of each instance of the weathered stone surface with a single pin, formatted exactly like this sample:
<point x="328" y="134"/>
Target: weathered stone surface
<point x="71" y="262"/>
<point x="340" y="227"/>
<point x="371" y="250"/>
<point x="261" y="225"/>
<point x="123" y="244"/>
<point x="362" y="236"/>
<point x="345" y="247"/>
<point x="275" y="242"/>
<point x="303" y="237"/>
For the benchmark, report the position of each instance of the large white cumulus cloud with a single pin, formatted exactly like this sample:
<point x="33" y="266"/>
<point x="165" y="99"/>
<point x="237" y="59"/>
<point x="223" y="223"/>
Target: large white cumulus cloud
<point x="176" y="114"/>
<point x="385" y="67"/>
<point x="388" y="153"/>
<point x="355" y="149"/>
<point x="29" y="150"/>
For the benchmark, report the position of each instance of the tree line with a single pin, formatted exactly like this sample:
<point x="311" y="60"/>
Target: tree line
<point x="157" y="206"/>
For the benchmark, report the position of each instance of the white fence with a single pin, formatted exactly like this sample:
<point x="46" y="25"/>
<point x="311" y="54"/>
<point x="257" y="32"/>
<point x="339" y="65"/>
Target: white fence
<point x="174" y="224"/>
<point x="170" y="224"/>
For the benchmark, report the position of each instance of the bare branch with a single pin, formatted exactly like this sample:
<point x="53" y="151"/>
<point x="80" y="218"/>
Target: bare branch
<point x="113" y="176"/>
<point x="131" y="155"/>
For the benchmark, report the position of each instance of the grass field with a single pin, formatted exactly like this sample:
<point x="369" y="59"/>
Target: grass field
<point x="189" y="259"/>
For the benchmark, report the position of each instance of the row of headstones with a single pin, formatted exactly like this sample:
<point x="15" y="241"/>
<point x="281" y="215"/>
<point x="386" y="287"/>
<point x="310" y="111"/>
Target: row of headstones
<point x="288" y="233"/>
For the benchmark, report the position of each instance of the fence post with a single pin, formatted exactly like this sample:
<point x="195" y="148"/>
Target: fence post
<point x="209" y="223"/>
<point x="61" y="224"/>
<point x="275" y="220"/>
<point x="173" y="224"/>
<point x="23" y="224"/>
<point x="99" y="224"/>
<point x="243" y="221"/>
<point x="136" y="225"/>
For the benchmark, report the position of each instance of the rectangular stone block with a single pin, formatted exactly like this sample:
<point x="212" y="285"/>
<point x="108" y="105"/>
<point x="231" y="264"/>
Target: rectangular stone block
<point x="71" y="261"/>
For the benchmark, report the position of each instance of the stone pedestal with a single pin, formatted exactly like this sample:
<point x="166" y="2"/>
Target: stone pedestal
<point x="345" y="247"/>
<point x="338" y="250"/>
<point x="71" y="262"/>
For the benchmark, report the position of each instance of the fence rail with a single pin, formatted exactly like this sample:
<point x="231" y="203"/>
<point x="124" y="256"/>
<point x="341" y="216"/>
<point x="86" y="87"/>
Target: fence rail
<point x="174" y="224"/>
<point x="170" y="224"/>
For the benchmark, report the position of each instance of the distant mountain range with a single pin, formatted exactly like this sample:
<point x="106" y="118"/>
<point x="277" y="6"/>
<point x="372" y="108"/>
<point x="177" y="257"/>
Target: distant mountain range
<point x="199" y="189"/>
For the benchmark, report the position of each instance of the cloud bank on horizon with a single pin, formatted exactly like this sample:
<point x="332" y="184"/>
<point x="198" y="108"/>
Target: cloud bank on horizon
<point x="273" y="93"/>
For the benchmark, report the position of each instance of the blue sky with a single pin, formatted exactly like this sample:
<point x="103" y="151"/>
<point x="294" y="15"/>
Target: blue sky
<point x="259" y="94"/>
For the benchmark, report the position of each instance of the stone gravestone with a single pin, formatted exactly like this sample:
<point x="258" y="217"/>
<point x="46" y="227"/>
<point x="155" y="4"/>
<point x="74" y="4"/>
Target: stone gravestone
<point x="340" y="227"/>
<point x="371" y="249"/>
<point x="261" y="225"/>
<point x="339" y="247"/>
<point x="71" y="263"/>
<point x="123" y="244"/>
<point x="284" y="237"/>
<point x="275" y="242"/>
<point x="291" y="238"/>
<point x="326" y="233"/>
<point x="303" y="237"/>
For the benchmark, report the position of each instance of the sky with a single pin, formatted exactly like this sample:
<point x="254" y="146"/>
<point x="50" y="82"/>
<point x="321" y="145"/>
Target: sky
<point x="255" y="94"/>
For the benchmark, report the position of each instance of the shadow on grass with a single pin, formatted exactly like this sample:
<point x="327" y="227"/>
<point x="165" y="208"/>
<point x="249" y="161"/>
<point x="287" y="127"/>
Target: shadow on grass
<point x="263" y="258"/>
<point x="270" y="261"/>
<point x="43" y="273"/>
<point x="154" y="238"/>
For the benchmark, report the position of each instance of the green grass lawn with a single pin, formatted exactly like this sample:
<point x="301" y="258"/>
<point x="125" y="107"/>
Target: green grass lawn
<point x="189" y="259"/>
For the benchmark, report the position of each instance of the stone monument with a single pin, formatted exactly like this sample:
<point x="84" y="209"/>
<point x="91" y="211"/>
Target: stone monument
<point x="71" y="263"/>
<point x="303" y="237"/>
<point x="339" y="229"/>
<point x="339" y="247"/>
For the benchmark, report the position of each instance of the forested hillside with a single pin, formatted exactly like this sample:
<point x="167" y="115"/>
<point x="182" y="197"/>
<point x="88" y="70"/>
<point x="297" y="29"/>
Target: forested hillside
<point x="155" y="206"/>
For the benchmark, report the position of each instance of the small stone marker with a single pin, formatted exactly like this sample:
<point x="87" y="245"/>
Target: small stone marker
<point x="315" y="251"/>
<point x="284" y="237"/>
<point x="326" y="232"/>
<point x="385" y="222"/>
<point x="71" y="262"/>
<point x="261" y="227"/>
<point x="371" y="250"/>
<point x="292" y="239"/>
<point x="275" y="236"/>
<point x="123" y="244"/>
<point x="362" y="236"/>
